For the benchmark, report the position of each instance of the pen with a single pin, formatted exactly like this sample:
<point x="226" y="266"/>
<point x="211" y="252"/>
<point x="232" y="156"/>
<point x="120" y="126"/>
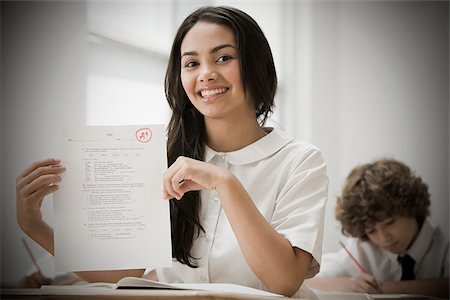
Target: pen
<point x="353" y="258"/>
<point x="31" y="255"/>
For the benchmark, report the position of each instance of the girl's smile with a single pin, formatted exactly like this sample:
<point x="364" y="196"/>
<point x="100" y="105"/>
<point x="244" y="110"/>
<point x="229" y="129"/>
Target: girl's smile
<point x="211" y="73"/>
<point x="211" y="93"/>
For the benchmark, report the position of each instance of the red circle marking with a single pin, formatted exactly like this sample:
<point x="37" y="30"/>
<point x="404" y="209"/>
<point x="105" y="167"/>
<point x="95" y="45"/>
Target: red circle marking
<point x="144" y="135"/>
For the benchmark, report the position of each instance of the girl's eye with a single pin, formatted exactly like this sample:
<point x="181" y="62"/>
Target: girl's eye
<point x="191" y="64"/>
<point x="224" y="58"/>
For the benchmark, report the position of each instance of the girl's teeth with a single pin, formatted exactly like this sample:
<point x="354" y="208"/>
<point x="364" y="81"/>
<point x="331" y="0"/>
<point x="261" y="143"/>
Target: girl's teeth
<point x="209" y="93"/>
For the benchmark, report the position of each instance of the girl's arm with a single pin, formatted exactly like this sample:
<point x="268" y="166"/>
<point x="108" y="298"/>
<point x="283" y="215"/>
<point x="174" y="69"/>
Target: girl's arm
<point x="37" y="181"/>
<point x="281" y="267"/>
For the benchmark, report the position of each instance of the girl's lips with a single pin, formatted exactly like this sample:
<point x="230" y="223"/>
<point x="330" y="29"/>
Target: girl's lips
<point x="207" y="95"/>
<point x="212" y="91"/>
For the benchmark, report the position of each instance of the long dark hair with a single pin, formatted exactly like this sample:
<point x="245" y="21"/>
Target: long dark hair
<point x="186" y="132"/>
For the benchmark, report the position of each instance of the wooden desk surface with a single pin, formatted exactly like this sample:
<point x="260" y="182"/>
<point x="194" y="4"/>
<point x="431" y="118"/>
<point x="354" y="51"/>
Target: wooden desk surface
<point x="110" y="294"/>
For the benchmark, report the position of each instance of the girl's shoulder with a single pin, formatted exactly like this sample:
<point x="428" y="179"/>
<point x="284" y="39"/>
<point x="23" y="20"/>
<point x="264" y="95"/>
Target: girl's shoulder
<point x="297" y="151"/>
<point x="291" y="144"/>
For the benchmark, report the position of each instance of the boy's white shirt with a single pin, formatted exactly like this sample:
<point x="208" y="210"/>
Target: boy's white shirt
<point x="430" y="251"/>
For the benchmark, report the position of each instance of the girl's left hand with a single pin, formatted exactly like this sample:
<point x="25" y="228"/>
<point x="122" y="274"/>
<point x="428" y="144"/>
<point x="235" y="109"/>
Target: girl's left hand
<point x="187" y="174"/>
<point x="35" y="280"/>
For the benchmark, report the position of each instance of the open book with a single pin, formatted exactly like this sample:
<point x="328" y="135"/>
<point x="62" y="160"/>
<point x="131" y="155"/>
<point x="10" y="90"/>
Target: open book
<point x="141" y="283"/>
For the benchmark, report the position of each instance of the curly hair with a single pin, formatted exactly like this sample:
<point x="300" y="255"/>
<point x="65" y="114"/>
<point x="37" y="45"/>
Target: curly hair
<point x="376" y="191"/>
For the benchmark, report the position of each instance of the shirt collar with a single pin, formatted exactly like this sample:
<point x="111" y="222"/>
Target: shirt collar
<point x="262" y="148"/>
<point x="422" y="241"/>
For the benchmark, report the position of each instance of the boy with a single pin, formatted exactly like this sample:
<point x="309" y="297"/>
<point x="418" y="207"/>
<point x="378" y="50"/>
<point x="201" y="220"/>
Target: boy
<point x="384" y="209"/>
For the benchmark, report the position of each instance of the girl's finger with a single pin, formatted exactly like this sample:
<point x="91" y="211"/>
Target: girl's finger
<point x="41" y="193"/>
<point x="53" y="169"/>
<point x="177" y="181"/>
<point x="189" y="185"/>
<point x="168" y="188"/>
<point x="165" y="195"/>
<point x="43" y="181"/>
<point x="41" y="163"/>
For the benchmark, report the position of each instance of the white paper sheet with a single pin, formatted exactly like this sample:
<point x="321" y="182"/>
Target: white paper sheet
<point x="109" y="212"/>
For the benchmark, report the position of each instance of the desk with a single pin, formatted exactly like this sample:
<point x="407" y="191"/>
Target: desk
<point x="153" y="294"/>
<point x="132" y="294"/>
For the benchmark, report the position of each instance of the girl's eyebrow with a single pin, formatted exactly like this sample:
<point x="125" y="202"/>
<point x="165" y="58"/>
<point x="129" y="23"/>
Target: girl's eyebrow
<point x="213" y="50"/>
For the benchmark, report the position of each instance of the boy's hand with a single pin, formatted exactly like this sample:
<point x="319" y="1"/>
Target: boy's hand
<point x="364" y="283"/>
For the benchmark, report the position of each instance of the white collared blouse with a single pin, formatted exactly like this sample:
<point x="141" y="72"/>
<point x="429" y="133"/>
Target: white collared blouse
<point x="429" y="250"/>
<point x="288" y="183"/>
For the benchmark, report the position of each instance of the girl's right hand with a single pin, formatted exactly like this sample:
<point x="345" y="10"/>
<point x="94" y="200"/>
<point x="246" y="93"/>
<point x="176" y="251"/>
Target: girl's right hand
<point x="37" y="181"/>
<point x="364" y="283"/>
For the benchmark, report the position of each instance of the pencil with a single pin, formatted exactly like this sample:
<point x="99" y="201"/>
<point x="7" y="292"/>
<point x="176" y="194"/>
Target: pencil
<point x="31" y="255"/>
<point x="353" y="258"/>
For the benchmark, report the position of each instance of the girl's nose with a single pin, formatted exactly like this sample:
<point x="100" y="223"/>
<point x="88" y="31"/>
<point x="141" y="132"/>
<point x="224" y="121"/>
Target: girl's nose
<point x="208" y="74"/>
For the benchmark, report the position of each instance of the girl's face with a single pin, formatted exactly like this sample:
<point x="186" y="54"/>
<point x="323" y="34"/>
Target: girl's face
<point x="210" y="72"/>
<point x="394" y="234"/>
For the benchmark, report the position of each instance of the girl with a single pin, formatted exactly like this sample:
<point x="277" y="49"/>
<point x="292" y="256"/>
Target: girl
<point x="247" y="202"/>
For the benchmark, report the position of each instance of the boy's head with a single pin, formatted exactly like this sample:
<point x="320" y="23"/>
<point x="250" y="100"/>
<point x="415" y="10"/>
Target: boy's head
<point x="380" y="195"/>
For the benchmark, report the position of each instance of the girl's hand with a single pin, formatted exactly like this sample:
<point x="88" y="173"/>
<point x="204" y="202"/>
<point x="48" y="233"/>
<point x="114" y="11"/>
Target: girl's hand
<point x="187" y="174"/>
<point x="364" y="283"/>
<point x="35" y="280"/>
<point x="37" y="181"/>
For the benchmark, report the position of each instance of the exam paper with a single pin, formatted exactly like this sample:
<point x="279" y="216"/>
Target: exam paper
<point x="109" y="212"/>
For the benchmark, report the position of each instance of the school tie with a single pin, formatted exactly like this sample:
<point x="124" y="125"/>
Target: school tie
<point x="407" y="263"/>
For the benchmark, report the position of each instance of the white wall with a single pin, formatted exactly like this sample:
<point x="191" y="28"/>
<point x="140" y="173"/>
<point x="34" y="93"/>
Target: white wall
<point x="364" y="80"/>
<point x="125" y="85"/>
<point x="381" y="89"/>
<point x="43" y="87"/>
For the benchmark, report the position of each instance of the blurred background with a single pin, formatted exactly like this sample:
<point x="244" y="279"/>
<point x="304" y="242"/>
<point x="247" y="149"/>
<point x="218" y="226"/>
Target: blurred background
<point x="361" y="80"/>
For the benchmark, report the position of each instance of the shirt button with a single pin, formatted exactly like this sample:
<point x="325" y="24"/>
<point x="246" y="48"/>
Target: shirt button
<point x="203" y="278"/>
<point x="216" y="198"/>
